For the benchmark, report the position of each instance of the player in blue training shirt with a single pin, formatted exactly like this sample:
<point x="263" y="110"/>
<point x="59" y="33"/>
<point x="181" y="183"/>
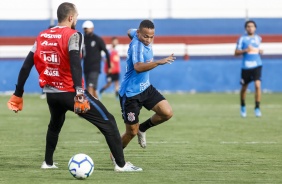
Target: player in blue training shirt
<point x="136" y="90"/>
<point x="248" y="45"/>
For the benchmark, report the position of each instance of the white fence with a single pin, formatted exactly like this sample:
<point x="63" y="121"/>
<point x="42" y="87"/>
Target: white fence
<point x="162" y="50"/>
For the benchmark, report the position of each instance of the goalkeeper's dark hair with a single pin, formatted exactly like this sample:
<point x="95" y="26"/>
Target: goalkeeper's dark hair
<point x="64" y="10"/>
<point x="250" y="21"/>
<point x="146" y="24"/>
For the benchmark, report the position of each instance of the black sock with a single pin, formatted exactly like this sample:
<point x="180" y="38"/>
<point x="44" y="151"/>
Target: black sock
<point x="257" y="104"/>
<point x="146" y="125"/>
<point x="51" y="143"/>
<point x="102" y="90"/>
<point x="243" y="103"/>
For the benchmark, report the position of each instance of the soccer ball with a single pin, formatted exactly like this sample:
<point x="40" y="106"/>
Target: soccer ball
<point x="81" y="166"/>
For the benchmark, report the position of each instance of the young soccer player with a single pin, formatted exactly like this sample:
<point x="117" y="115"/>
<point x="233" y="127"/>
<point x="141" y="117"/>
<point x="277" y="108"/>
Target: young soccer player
<point x="112" y="77"/>
<point x="248" y="45"/>
<point x="93" y="45"/>
<point x="136" y="90"/>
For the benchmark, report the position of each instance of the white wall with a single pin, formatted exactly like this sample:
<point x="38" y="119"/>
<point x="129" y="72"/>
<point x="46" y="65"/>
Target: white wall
<point x="131" y="9"/>
<point x="161" y="50"/>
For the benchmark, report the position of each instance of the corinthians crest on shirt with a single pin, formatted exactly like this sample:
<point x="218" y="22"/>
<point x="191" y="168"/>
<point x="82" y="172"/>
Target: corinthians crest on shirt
<point x="131" y="116"/>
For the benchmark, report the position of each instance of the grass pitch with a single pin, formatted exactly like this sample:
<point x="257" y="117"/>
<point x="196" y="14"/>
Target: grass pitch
<point x="206" y="141"/>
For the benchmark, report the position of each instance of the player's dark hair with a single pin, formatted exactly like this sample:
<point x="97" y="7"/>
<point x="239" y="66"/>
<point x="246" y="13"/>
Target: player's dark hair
<point x="146" y="24"/>
<point x="113" y="38"/>
<point x="250" y="21"/>
<point x="64" y="10"/>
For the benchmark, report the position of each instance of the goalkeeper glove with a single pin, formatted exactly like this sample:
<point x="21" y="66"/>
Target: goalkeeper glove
<point x="15" y="103"/>
<point x="81" y="104"/>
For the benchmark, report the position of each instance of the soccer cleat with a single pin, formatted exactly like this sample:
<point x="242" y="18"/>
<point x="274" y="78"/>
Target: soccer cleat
<point x="113" y="159"/>
<point x="142" y="138"/>
<point x="257" y="112"/>
<point x="46" y="166"/>
<point x="128" y="167"/>
<point x="243" y="111"/>
<point x="43" y="96"/>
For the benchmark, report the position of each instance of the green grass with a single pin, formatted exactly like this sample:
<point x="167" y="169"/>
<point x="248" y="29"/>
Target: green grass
<point x="206" y="141"/>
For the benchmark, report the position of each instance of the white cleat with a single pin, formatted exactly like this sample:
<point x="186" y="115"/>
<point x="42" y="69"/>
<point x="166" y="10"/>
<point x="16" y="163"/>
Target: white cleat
<point x="46" y="166"/>
<point x="142" y="138"/>
<point x="128" y="167"/>
<point x="113" y="159"/>
<point x="257" y="112"/>
<point x="43" y="96"/>
<point x="243" y="112"/>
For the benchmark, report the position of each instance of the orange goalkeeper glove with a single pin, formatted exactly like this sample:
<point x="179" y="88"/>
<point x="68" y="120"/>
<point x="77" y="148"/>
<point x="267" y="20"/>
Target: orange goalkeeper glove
<point x="15" y="103"/>
<point x="81" y="105"/>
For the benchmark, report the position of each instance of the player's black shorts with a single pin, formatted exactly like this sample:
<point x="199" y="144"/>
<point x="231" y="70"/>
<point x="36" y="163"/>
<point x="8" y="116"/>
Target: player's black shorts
<point x="91" y="79"/>
<point x="250" y="75"/>
<point x="131" y="106"/>
<point x="98" y="115"/>
<point x="113" y="77"/>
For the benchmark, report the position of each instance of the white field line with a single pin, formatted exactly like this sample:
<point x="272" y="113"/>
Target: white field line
<point x="251" y="142"/>
<point x="270" y="106"/>
<point x="167" y="142"/>
<point x="261" y="142"/>
<point x="80" y="142"/>
<point x="176" y="142"/>
<point x="157" y="142"/>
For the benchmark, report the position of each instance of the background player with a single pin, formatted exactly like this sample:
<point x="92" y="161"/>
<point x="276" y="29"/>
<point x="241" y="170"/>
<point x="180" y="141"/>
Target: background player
<point x="93" y="45"/>
<point x="248" y="45"/>
<point x="112" y="77"/>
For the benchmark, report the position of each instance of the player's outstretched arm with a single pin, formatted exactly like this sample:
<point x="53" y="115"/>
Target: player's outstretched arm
<point x="15" y="103"/>
<point x="166" y="60"/>
<point x="146" y="66"/>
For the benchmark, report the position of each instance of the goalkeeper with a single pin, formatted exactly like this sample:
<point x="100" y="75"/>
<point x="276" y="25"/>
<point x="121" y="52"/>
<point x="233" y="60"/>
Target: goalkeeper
<point x="56" y="56"/>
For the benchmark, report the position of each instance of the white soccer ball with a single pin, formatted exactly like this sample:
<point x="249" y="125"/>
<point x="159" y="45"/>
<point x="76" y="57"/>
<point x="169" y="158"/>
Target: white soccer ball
<point x="81" y="166"/>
